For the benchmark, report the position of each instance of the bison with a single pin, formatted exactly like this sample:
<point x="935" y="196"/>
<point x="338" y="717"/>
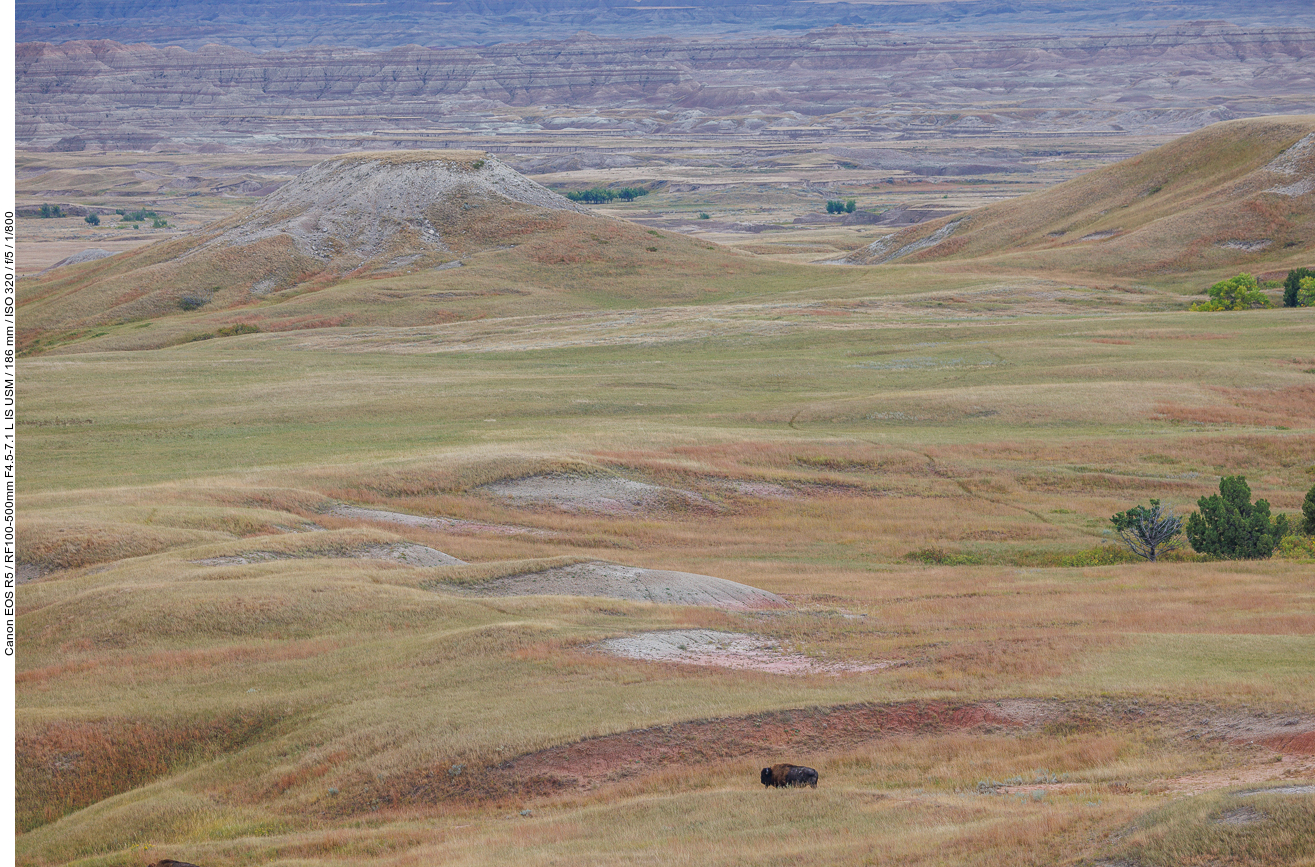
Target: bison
<point x="789" y="775"/>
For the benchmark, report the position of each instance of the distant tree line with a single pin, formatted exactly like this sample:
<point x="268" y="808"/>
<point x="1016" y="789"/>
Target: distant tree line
<point x="601" y="195"/>
<point x="141" y="216"/>
<point x="51" y="211"/>
<point x="835" y="206"/>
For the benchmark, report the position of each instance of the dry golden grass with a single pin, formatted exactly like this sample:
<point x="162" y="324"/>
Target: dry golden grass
<point x="1169" y="210"/>
<point x="909" y="470"/>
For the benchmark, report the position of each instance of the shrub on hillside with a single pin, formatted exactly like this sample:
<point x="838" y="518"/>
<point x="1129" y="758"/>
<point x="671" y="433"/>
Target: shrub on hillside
<point x="1236" y="293"/>
<point x="92" y="220"/>
<point x="1147" y="529"/>
<point x="1230" y="526"/>
<point x="1292" y="286"/>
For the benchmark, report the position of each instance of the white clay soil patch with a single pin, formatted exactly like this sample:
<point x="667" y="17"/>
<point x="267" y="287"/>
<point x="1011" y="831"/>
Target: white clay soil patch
<point x="616" y="581"/>
<point x="609" y="495"/>
<point x="725" y="650"/>
<point x="449" y="525"/>
<point x="398" y="552"/>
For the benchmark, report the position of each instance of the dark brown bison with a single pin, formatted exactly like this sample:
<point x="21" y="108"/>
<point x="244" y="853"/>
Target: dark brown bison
<point x="789" y="775"/>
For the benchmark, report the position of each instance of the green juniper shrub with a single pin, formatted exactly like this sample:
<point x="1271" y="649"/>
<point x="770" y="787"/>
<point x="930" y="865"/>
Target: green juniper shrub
<point x="1231" y="527"/>
<point x="1292" y="285"/>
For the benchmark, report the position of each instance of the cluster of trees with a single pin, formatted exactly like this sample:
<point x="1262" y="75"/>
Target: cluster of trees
<point x="835" y="206"/>
<point x="141" y="216"/>
<point x="51" y="211"/>
<point x="1228" y="525"/>
<point x="599" y="195"/>
<point x="1243" y="292"/>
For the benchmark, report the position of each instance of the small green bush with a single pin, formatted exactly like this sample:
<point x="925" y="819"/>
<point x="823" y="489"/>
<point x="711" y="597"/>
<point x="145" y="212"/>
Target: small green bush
<point x="1299" y="548"/>
<point x="91" y="220"/>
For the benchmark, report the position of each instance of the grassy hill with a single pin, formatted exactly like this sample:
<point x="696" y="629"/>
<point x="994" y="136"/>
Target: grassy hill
<point x="394" y="239"/>
<point x="1237" y="195"/>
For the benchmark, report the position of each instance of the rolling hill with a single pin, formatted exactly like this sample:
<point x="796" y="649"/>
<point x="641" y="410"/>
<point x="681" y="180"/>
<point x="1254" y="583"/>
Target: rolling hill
<point x="1238" y="194"/>
<point x="382" y="238"/>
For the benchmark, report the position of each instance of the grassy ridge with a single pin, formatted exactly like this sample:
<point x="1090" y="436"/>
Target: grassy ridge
<point x="1168" y="212"/>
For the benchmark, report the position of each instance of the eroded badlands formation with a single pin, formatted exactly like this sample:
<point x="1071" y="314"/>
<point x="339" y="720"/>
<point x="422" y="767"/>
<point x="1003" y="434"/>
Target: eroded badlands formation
<point x="878" y="85"/>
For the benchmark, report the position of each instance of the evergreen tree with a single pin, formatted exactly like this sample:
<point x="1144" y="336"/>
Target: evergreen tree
<point x="1229" y="525"/>
<point x="1292" y="285"/>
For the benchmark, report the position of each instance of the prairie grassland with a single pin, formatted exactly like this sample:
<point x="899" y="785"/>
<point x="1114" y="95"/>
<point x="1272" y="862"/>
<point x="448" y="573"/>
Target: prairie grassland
<point x="209" y="670"/>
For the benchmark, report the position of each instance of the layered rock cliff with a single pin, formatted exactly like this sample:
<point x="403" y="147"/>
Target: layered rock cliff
<point x="104" y="94"/>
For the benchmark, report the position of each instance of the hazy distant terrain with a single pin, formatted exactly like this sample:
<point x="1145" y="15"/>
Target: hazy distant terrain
<point x="386" y="24"/>
<point x="839" y="87"/>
